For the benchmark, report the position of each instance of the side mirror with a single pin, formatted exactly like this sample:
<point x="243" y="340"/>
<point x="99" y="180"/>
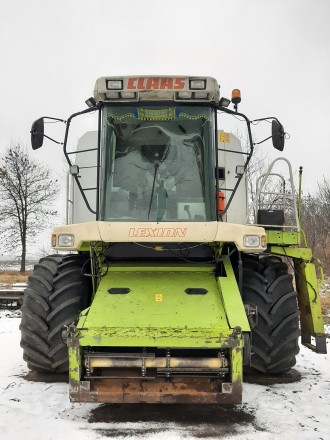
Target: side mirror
<point x="37" y="133"/>
<point x="278" y="135"/>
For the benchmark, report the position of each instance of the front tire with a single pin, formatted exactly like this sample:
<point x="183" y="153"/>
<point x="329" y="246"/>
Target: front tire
<point x="57" y="291"/>
<point x="267" y="285"/>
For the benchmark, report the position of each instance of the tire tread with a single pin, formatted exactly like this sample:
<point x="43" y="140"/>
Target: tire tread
<point x="56" y="293"/>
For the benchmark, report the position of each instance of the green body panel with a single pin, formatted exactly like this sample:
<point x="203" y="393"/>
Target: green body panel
<point x="236" y="361"/>
<point x="283" y="237"/>
<point x="232" y="299"/>
<point x="158" y="312"/>
<point x="85" y="247"/>
<point x="75" y="364"/>
<point x="293" y="252"/>
<point x="309" y="300"/>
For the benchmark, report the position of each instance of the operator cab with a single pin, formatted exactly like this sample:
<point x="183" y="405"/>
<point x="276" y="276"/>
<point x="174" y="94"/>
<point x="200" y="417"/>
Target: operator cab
<point x="158" y="157"/>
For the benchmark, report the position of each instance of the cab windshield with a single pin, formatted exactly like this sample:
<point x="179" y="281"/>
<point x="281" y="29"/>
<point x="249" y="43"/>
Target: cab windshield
<point x="157" y="164"/>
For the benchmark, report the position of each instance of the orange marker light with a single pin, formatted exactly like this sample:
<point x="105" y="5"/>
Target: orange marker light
<point x="53" y="240"/>
<point x="236" y="96"/>
<point x="221" y="201"/>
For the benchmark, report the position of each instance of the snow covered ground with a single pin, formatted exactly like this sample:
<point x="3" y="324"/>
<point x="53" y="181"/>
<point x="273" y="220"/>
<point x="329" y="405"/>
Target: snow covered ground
<point x="42" y="411"/>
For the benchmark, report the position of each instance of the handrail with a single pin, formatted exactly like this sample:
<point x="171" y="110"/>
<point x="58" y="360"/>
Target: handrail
<point x="263" y="178"/>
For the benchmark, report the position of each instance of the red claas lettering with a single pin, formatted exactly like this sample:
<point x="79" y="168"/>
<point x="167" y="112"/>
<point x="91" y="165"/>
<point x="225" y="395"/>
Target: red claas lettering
<point x="154" y="83"/>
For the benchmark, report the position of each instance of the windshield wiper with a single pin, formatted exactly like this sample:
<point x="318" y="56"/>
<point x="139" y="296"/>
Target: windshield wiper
<point x="153" y="187"/>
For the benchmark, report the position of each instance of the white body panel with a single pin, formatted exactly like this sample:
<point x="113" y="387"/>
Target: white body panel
<point x="237" y="210"/>
<point x="76" y="206"/>
<point x="169" y="232"/>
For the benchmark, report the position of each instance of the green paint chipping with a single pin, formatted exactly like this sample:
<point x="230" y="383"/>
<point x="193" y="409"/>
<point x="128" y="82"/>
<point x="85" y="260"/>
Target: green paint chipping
<point x="236" y="361"/>
<point x="74" y="363"/>
<point x="283" y="237"/>
<point x="157" y="311"/>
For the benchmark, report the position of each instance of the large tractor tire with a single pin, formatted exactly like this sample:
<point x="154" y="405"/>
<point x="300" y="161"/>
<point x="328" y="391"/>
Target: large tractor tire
<point x="57" y="291"/>
<point x="267" y="285"/>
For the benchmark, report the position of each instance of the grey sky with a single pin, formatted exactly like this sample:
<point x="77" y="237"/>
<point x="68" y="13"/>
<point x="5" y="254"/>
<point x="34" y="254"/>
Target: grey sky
<point x="276" y="52"/>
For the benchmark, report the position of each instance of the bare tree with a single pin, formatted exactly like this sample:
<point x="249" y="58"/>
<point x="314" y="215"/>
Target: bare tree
<point x="315" y="220"/>
<point x="324" y="197"/>
<point x="324" y="201"/>
<point x="311" y="214"/>
<point x="27" y="195"/>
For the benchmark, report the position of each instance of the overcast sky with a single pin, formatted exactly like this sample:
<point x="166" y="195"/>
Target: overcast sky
<point x="277" y="52"/>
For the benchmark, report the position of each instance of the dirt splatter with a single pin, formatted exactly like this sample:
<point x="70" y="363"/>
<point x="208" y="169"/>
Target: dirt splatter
<point x="33" y="376"/>
<point x="201" y="421"/>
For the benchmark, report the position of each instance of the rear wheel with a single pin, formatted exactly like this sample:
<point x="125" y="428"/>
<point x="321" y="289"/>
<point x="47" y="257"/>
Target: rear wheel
<point x="267" y="285"/>
<point x="57" y="291"/>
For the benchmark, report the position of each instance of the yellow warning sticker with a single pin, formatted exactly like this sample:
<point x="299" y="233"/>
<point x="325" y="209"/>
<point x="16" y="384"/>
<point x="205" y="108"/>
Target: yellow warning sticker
<point x="224" y="137"/>
<point x="159" y="297"/>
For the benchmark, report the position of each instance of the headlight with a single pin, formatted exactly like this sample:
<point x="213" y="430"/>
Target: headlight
<point x="65" y="240"/>
<point x="197" y="84"/>
<point x="251" y="241"/>
<point x="114" y="84"/>
<point x="112" y="95"/>
<point x="184" y="95"/>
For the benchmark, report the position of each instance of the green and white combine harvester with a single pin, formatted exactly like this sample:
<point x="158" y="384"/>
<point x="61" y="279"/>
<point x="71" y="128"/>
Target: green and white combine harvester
<point x="164" y="292"/>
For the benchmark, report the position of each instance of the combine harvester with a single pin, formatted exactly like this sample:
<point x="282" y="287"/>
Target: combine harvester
<point x="164" y="292"/>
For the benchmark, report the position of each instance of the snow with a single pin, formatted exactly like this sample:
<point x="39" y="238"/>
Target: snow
<point x="38" y="410"/>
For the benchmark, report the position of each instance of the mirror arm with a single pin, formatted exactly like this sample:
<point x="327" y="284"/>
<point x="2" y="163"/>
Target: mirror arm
<point x="53" y="119"/>
<point x="270" y="118"/>
<point x="68" y="122"/>
<point x="277" y="132"/>
<point x="33" y="133"/>
<point x="264" y="140"/>
<point x="51" y="139"/>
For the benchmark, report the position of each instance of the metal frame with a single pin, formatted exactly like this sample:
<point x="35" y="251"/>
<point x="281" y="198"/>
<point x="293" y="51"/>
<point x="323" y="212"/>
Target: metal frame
<point x="264" y="178"/>
<point x="99" y="107"/>
<point x="66" y="154"/>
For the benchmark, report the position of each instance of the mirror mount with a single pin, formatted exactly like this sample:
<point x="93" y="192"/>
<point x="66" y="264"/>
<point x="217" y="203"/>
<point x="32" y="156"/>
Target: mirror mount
<point x="37" y="132"/>
<point x="278" y="133"/>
